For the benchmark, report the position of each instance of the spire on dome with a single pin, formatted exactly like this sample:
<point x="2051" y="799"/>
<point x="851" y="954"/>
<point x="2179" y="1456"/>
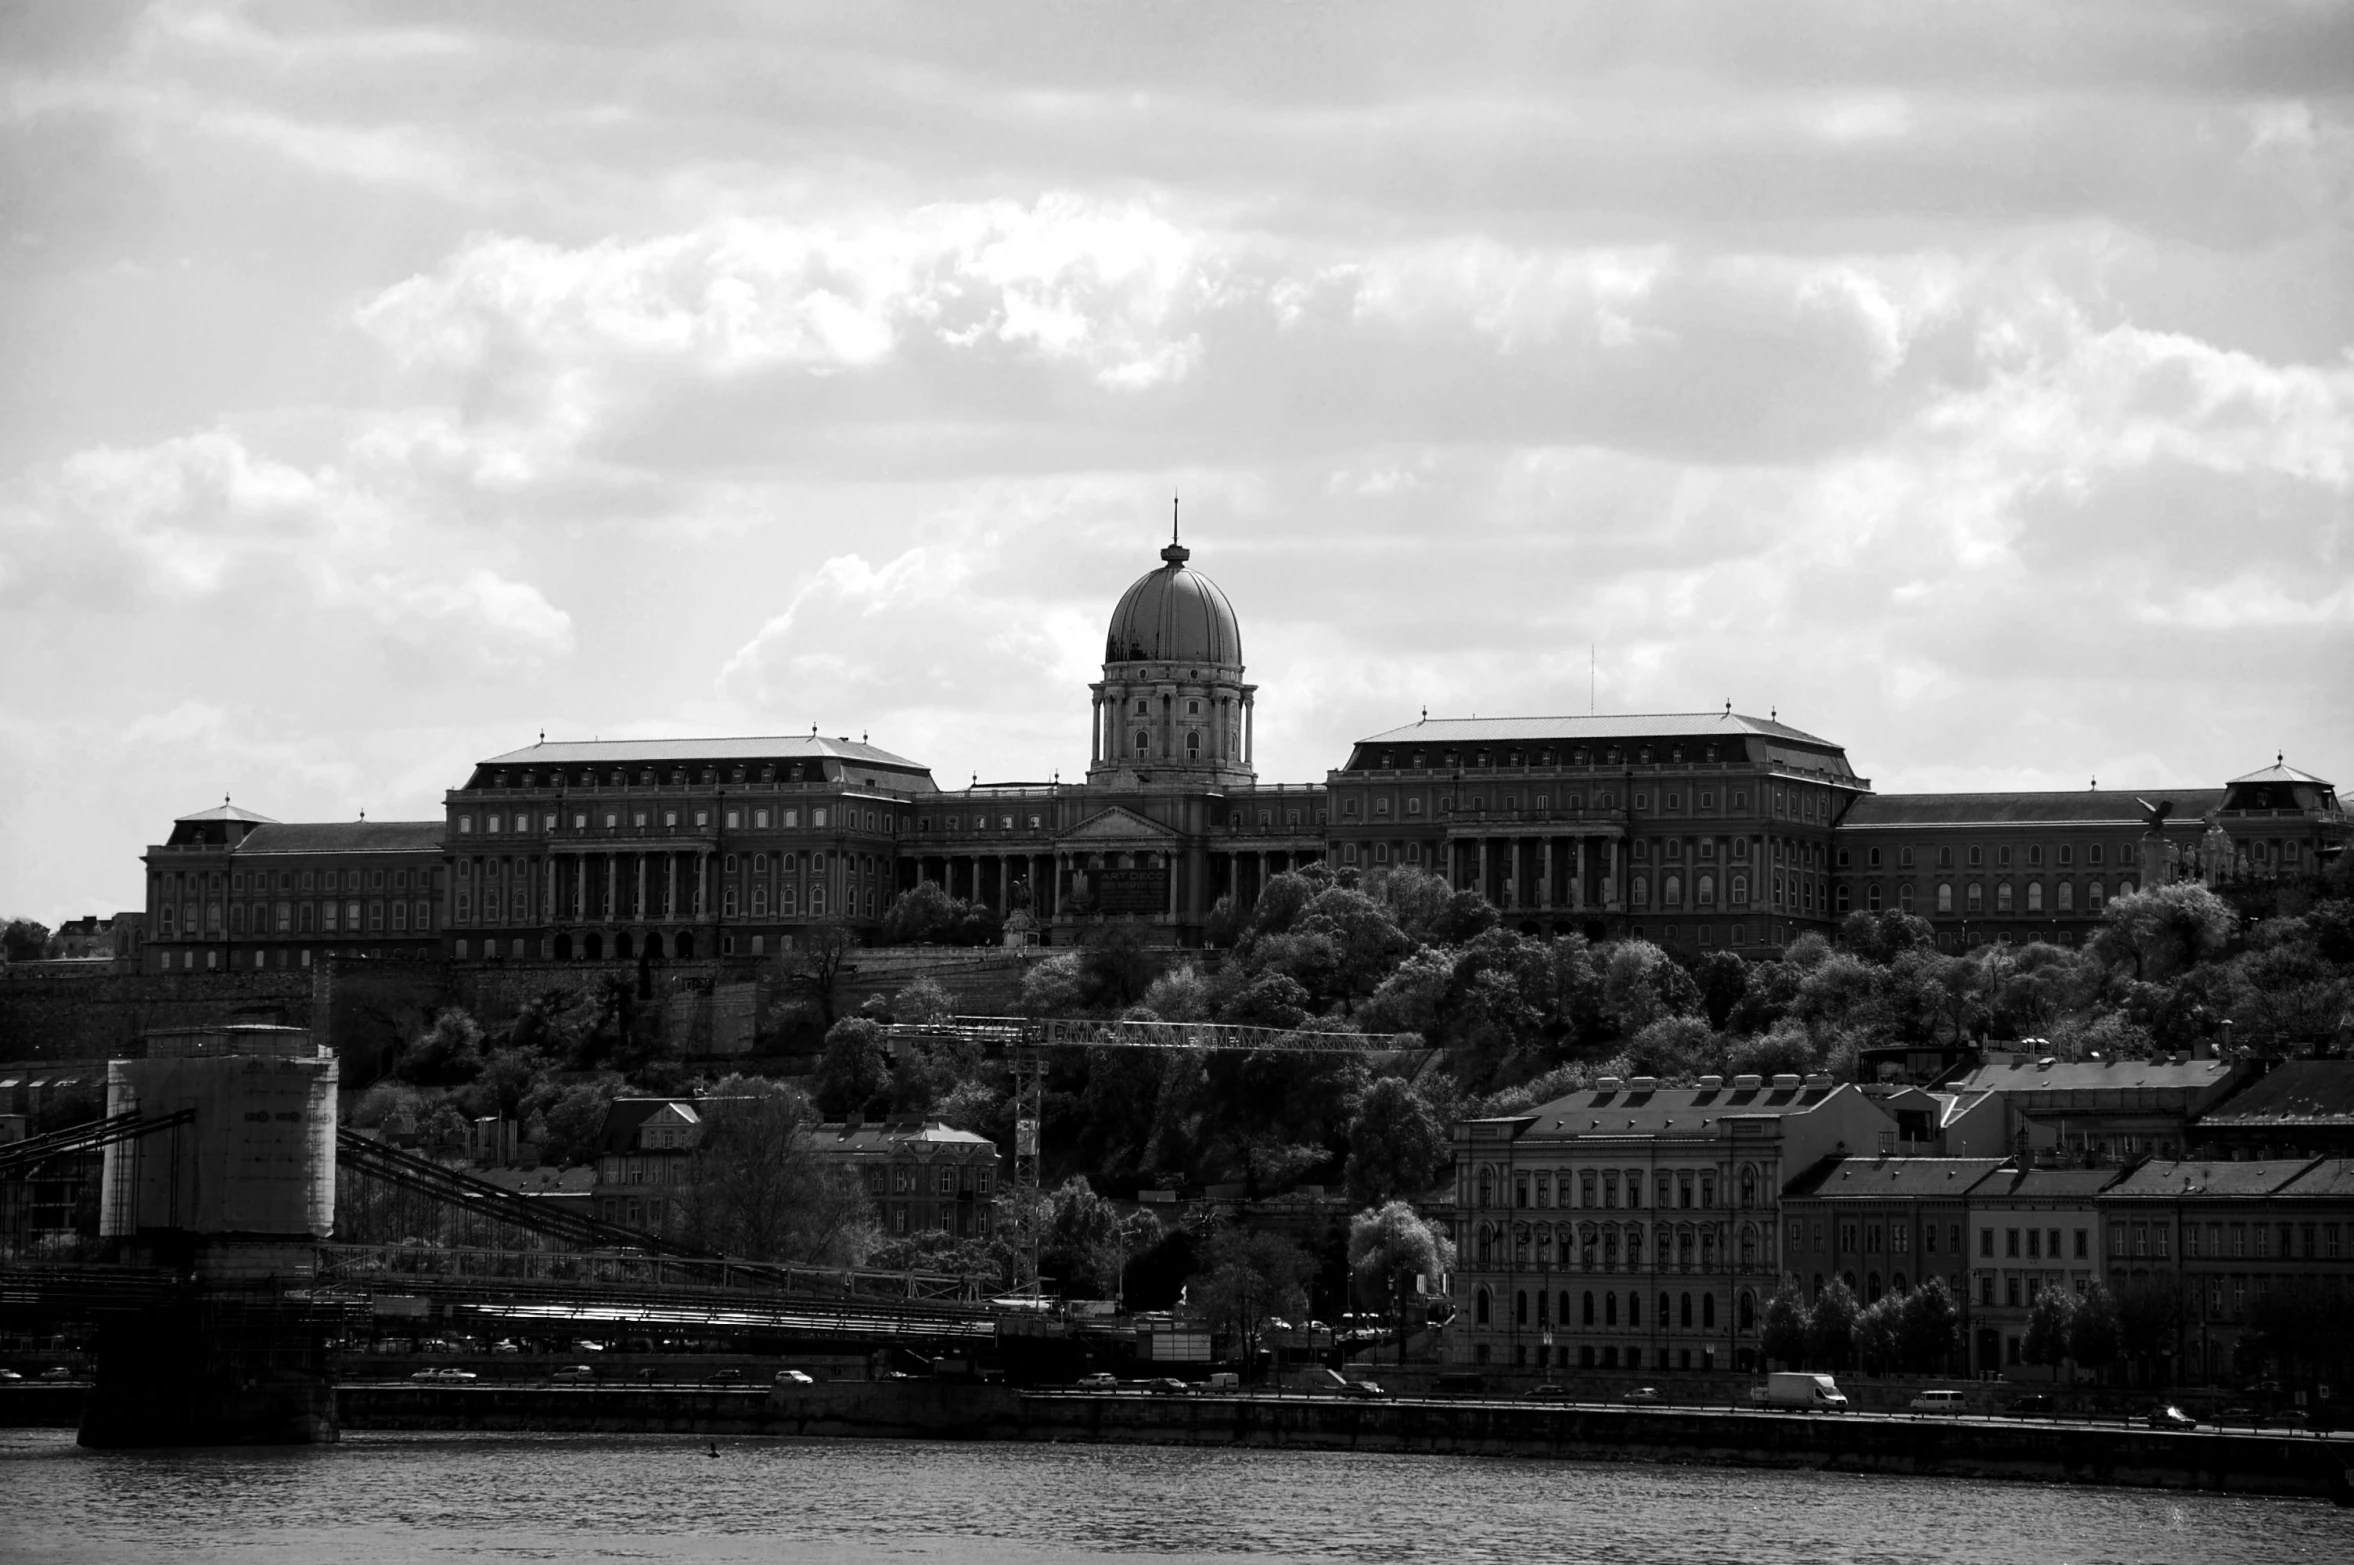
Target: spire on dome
<point x="1176" y="553"/>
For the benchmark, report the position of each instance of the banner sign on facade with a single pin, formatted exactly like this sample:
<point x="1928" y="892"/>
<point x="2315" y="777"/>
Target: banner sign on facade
<point x="1131" y="890"/>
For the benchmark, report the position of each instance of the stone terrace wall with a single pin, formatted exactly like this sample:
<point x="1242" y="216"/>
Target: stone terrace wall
<point x="102" y="1016"/>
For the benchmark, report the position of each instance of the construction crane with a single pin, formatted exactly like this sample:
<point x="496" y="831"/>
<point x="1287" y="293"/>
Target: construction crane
<point x="1025" y="1042"/>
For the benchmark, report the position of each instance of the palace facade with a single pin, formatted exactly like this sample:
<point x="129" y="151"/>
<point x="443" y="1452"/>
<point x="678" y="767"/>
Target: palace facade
<point x="1698" y="830"/>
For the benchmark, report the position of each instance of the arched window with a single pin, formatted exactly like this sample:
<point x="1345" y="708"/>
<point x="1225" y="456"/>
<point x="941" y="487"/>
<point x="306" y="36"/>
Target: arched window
<point x="1872" y="897"/>
<point x="2067" y="896"/>
<point x="2002" y="896"/>
<point x="1641" y="891"/>
<point x="1748" y="1247"/>
<point x="1193" y="747"/>
<point x="1904" y="897"/>
<point x="1589" y="1308"/>
<point x="1872" y="1288"/>
<point x="2035" y="896"/>
<point x="1748" y="1310"/>
<point x="1708" y="1312"/>
<point x="1610" y="1309"/>
<point x="2092" y="895"/>
<point x="1143" y="742"/>
<point x="2125" y="888"/>
<point x="1977" y="897"/>
<point x="1487" y="1240"/>
<point x="1748" y="1185"/>
<point x="1740" y="891"/>
<point x="1487" y="1186"/>
<point x="1671" y="891"/>
<point x="1685" y="1310"/>
<point x="1704" y="890"/>
<point x="1665" y="1315"/>
<point x="1479" y="1307"/>
<point x="1634" y="1247"/>
<point x="1896" y="1283"/>
<point x="1520" y="1308"/>
<point x="1634" y="1309"/>
<point x="1545" y="1244"/>
<point x="1945" y="896"/>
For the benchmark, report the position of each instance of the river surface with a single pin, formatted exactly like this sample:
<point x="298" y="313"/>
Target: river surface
<point x="381" y="1498"/>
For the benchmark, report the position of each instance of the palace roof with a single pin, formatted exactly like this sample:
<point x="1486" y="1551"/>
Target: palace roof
<point x="1615" y="725"/>
<point x="344" y="837"/>
<point x="1174" y="615"/>
<point x="2022" y="1077"/>
<point x="227" y="812"/>
<point x="2046" y="1184"/>
<point x="2281" y="772"/>
<point x="1633" y="1110"/>
<point x="629" y="752"/>
<point x="2083" y="807"/>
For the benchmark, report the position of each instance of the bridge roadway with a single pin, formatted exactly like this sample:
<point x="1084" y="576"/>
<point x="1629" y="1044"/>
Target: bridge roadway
<point x="346" y="1293"/>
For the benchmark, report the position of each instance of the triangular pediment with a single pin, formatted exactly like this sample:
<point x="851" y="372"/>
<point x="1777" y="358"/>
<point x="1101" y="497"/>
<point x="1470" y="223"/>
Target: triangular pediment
<point x="1117" y="824"/>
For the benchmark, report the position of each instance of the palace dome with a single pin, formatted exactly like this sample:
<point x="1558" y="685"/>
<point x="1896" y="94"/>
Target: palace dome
<point x="1174" y="615"/>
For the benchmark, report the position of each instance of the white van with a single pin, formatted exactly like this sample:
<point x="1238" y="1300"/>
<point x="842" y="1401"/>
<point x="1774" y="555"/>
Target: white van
<point x="1940" y="1402"/>
<point x="1223" y="1383"/>
<point x="1794" y="1389"/>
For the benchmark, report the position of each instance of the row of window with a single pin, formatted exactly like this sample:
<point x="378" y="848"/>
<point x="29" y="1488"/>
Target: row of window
<point x="175" y="921"/>
<point x="820" y="817"/>
<point x="173" y="886"/>
<point x="1601" y="1246"/>
<point x="2029" y="899"/>
<point x="1600" y="1188"/>
<point x="1863" y="1238"/>
<point x="650" y="776"/>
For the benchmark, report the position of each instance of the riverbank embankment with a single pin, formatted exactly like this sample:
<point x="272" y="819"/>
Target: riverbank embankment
<point x="2253" y="1463"/>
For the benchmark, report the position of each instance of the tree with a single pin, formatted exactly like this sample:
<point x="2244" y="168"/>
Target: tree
<point x="1244" y="1278"/>
<point x="813" y="968"/>
<point x="2149" y="1314"/>
<point x="922" y="999"/>
<point x="1397" y="1144"/>
<point x="25" y="940"/>
<point x="1055" y="986"/>
<point x="1388" y="1246"/>
<point x="1782" y="1337"/>
<point x="448" y="1054"/>
<point x="1722" y="978"/>
<point x="1641" y="984"/>
<point x="2092" y="1330"/>
<point x="2046" y="1340"/>
<point x="854" y="1072"/>
<point x="1118" y="963"/>
<point x="1877" y="1337"/>
<point x="1929" y="1330"/>
<point x="759" y="1187"/>
<point x="1830" y="1326"/>
<point x="568" y="1121"/>
<point x="1085" y="1242"/>
<point x="2162" y="931"/>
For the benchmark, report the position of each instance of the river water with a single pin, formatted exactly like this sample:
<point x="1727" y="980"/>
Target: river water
<point x="380" y="1498"/>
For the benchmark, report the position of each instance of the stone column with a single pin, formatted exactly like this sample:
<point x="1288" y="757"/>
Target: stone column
<point x="1250" y="734"/>
<point x="1169" y="864"/>
<point x="1095" y="743"/>
<point x="1481" y="859"/>
<point x="1577" y="886"/>
<point x="1259" y="887"/>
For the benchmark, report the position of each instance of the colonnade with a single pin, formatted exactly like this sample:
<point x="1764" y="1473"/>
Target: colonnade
<point x="592" y="886"/>
<point x="1518" y="871"/>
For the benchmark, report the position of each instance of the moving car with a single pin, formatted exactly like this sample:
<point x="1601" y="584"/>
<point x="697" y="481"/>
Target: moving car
<point x="2036" y="1406"/>
<point x="445" y="1374"/>
<point x="1364" y="1390"/>
<point x="1166" y="1386"/>
<point x="1642" y="1394"/>
<point x="573" y="1372"/>
<point x="2288" y="1418"/>
<point x="794" y="1377"/>
<point x="2170" y="1418"/>
<point x="724" y="1377"/>
<point x="10" y="1374"/>
<point x="1799" y="1390"/>
<point x="1549" y="1394"/>
<point x="1100" y="1380"/>
<point x="1939" y="1402"/>
<point x="55" y="1372"/>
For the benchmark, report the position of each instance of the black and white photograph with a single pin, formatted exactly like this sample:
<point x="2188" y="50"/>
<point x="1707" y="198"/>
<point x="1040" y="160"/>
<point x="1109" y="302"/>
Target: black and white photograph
<point x="1066" y="782"/>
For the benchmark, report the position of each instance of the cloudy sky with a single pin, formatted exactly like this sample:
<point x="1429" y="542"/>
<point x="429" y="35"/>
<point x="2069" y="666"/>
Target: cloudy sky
<point x="382" y="385"/>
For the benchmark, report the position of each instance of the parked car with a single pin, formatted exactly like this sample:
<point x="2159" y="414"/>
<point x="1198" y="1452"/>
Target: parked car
<point x="10" y="1374"/>
<point x="506" y="1345"/>
<point x="444" y="1374"/>
<point x="1549" y="1394"/>
<point x="55" y="1372"/>
<point x="1099" y="1380"/>
<point x="2036" y="1406"/>
<point x="1939" y="1402"/>
<point x="2288" y="1418"/>
<point x="2170" y="1418"/>
<point x="573" y="1372"/>
<point x="794" y="1377"/>
<point x="724" y="1377"/>
<point x="1363" y="1390"/>
<point x="1642" y="1394"/>
<point x="1166" y="1386"/>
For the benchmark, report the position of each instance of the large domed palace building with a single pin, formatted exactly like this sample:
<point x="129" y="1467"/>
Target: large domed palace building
<point x="1698" y="830"/>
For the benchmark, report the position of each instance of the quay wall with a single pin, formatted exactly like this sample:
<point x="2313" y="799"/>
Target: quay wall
<point x="2254" y="1463"/>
